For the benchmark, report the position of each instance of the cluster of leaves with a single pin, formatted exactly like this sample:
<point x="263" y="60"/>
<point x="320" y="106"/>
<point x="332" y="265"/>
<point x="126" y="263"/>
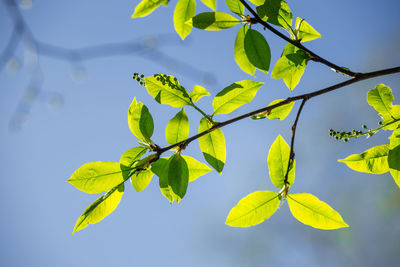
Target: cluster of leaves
<point x="382" y="158"/>
<point x="251" y="50"/>
<point x="175" y="172"/>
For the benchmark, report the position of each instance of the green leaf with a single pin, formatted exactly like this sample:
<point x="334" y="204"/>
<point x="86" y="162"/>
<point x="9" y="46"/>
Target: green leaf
<point x="276" y="12"/>
<point x="184" y="10"/>
<point x="311" y="211"/>
<point x="304" y="31"/>
<point x="381" y="98"/>
<point x="160" y="168"/>
<point x="257" y="50"/>
<point x="195" y="167"/>
<point x="178" y="175"/>
<point x="166" y="90"/>
<point x="235" y="6"/>
<point x="253" y="209"/>
<point x="147" y="6"/>
<point x="210" y="3"/>
<point x="394" y="156"/>
<point x="212" y="145"/>
<point x="240" y="53"/>
<point x="140" y="121"/>
<point x="290" y="67"/>
<point x="373" y="160"/>
<point x="100" y="209"/>
<point x="213" y="21"/>
<point x="280" y="112"/>
<point x="97" y="177"/>
<point x="278" y="160"/>
<point x="198" y="92"/>
<point x="392" y="122"/>
<point x="234" y="96"/>
<point x="178" y="128"/>
<point x="257" y="2"/>
<point x="141" y="179"/>
<point x="129" y="157"/>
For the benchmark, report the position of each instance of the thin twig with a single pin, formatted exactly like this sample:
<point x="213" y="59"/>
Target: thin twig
<point x="313" y="55"/>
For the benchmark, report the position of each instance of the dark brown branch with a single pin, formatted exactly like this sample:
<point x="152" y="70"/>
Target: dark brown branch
<point x="291" y="153"/>
<point x="313" y="55"/>
<point x="360" y="77"/>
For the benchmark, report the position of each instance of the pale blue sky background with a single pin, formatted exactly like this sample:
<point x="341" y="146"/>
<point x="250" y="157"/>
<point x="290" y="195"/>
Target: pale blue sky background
<point x="70" y="123"/>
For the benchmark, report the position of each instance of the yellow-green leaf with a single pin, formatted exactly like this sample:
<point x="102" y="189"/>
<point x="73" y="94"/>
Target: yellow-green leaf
<point x="235" y="6"/>
<point x="394" y="156"/>
<point x="166" y="90"/>
<point x="140" y="121"/>
<point x="373" y="160"/>
<point x="129" y="157"/>
<point x="177" y="128"/>
<point x="253" y="209"/>
<point x="212" y="145"/>
<point x="305" y="32"/>
<point x="311" y="211"/>
<point x="100" y="209"/>
<point x="257" y="2"/>
<point x="141" y="179"/>
<point x="381" y="98"/>
<point x="257" y="50"/>
<point x="147" y="6"/>
<point x="240" y="53"/>
<point x="210" y="3"/>
<point x="234" y="96"/>
<point x="280" y="112"/>
<point x="97" y="177"/>
<point x="213" y="21"/>
<point x="184" y="10"/>
<point x="290" y="67"/>
<point x="198" y="92"/>
<point x="278" y="161"/>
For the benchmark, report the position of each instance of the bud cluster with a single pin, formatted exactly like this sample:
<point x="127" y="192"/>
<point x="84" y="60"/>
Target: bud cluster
<point x="139" y="78"/>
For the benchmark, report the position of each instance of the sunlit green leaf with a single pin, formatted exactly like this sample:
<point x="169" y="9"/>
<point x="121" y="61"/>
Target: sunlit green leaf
<point x="305" y="32"/>
<point x="278" y="161"/>
<point x="235" y="6"/>
<point x="373" y="160"/>
<point x="212" y="145"/>
<point x="394" y="156"/>
<point x="166" y="90"/>
<point x="184" y="10"/>
<point x="198" y="92"/>
<point x="280" y="112"/>
<point x="253" y="209"/>
<point x="177" y="128"/>
<point x="213" y="21"/>
<point x="97" y="177"/>
<point x="210" y="3"/>
<point x="234" y="96"/>
<point x="141" y="179"/>
<point x="290" y="67"/>
<point x="147" y="6"/>
<point x="240" y="53"/>
<point x="311" y="211"/>
<point x="100" y="209"/>
<point x="160" y="168"/>
<point x="140" y="121"/>
<point x="195" y="167"/>
<point x="257" y="2"/>
<point x="257" y="50"/>
<point x="129" y="157"/>
<point x="392" y="122"/>
<point x="381" y="99"/>
<point x="276" y="12"/>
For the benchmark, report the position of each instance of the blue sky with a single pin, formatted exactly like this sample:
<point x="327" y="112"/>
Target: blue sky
<point x="75" y="112"/>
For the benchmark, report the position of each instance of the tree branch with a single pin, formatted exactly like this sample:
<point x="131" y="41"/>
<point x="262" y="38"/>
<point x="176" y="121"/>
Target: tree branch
<point x="313" y="55"/>
<point x="304" y="97"/>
